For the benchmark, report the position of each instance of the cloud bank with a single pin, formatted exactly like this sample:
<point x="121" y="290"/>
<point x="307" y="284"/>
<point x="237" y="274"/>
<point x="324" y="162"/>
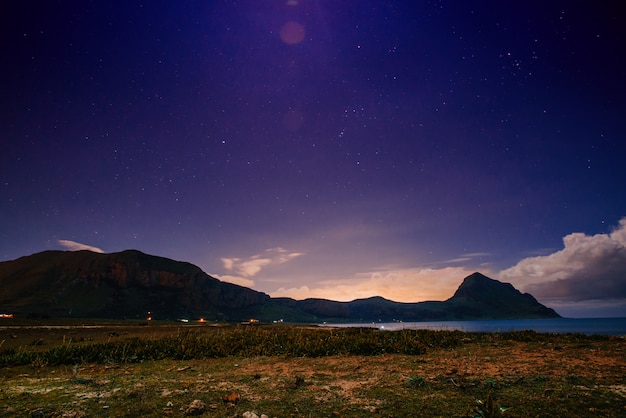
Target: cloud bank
<point x="588" y="268"/>
<point x="77" y="246"/>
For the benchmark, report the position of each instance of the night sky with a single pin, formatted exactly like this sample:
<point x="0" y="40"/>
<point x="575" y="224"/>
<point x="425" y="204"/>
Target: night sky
<point x="335" y="149"/>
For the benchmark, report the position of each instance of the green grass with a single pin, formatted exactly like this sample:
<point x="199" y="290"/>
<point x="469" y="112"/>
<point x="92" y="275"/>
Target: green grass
<point x="238" y="341"/>
<point x="291" y="371"/>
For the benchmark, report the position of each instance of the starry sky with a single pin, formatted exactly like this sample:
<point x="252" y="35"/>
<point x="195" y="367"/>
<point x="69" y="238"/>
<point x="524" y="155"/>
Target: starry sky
<point x="322" y="148"/>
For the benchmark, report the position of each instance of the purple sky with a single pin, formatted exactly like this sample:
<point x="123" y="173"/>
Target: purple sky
<point x="336" y="149"/>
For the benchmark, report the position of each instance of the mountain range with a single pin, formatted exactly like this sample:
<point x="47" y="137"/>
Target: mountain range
<point x="131" y="284"/>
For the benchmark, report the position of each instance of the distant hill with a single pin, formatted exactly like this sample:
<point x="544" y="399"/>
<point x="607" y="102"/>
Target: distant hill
<point x="129" y="284"/>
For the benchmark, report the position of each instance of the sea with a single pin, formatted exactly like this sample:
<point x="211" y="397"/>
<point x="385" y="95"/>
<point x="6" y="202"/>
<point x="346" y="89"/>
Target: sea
<point x="589" y="326"/>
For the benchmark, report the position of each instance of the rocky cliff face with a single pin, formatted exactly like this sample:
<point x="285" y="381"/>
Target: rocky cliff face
<point x="129" y="283"/>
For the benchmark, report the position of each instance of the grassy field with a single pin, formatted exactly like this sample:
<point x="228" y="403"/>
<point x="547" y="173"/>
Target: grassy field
<point x="112" y="369"/>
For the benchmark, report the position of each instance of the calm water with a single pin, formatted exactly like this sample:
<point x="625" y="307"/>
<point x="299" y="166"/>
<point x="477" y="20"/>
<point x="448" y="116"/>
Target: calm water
<point x="607" y="326"/>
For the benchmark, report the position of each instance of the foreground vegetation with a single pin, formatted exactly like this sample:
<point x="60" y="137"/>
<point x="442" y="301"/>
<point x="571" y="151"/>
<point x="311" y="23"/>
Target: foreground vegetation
<point x="285" y="371"/>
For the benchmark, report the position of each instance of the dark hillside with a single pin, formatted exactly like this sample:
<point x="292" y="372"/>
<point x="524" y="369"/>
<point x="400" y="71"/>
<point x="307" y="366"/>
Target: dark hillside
<point x="486" y="298"/>
<point x="124" y="284"/>
<point x="129" y="284"/>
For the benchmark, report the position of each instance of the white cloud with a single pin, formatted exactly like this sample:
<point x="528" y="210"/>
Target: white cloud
<point x="465" y="257"/>
<point x="229" y="263"/>
<point x="282" y="255"/>
<point x="477" y="255"/>
<point x="77" y="246"/>
<point x="252" y="266"/>
<point x="248" y="267"/>
<point x="589" y="267"/>
<point x="457" y="260"/>
<point x="245" y="268"/>
<point x="400" y="285"/>
<point x="241" y="281"/>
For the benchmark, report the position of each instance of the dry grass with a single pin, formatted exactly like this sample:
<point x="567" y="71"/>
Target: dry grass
<point x="539" y="375"/>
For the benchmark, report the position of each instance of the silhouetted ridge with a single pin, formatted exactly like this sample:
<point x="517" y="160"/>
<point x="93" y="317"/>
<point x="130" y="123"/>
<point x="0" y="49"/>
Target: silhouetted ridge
<point x="480" y="292"/>
<point x="125" y="284"/>
<point x="130" y="283"/>
<point x="480" y="287"/>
